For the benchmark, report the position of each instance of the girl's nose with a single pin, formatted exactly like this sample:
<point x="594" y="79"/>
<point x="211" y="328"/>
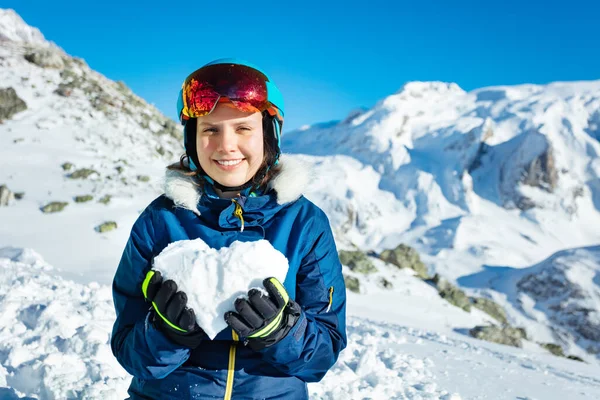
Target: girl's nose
<point x="228" y="141"/>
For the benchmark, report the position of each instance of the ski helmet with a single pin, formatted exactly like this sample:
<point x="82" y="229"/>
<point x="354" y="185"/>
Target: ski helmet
<point x="246" y="86"/>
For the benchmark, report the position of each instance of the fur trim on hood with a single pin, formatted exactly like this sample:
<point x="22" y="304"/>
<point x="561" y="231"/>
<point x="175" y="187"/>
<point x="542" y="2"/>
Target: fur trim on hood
<point x="290" y="183"/>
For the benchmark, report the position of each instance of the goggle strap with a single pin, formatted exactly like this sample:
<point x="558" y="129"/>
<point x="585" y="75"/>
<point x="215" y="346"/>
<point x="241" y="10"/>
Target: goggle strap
<point x="185" y="106"/>
<point x="277" y="137"/>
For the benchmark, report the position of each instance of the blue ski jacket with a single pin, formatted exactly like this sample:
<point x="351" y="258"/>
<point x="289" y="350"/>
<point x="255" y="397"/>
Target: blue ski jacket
<point x="224" y="368"/>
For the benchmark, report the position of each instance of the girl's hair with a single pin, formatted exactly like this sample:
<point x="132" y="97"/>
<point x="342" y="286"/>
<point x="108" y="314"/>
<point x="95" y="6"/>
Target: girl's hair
<point x="262" y="176"/>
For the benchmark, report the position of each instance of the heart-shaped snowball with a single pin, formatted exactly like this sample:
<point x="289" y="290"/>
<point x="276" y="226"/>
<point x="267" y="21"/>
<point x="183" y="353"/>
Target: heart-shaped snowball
<point x="213" y="279"/>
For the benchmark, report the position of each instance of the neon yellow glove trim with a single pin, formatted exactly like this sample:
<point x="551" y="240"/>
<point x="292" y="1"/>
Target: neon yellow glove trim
<point x="281" y="289"/>
<point x="145" y="285"/>
<point x="267" y="330"/>
<point x="146" y="282"/>
<point x="166" y="320"/>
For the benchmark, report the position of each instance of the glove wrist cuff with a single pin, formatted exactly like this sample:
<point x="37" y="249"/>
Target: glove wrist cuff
<point x="188" y="339"/>
<point x="290" y="316"/>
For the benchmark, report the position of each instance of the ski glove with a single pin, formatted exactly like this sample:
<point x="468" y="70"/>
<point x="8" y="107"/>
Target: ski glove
<point x="169" y="312"/>
<point x="264" y="319"/>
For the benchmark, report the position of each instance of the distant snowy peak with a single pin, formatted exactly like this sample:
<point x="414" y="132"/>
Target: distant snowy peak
<point x="14" y="29"/>
<point x="525" y="146"/>
<point x="418" y="88"/>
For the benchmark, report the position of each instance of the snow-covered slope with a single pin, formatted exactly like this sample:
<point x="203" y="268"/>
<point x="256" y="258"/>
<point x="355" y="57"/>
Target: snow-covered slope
<point x="74" y="115"/>
<point x="516" y="166"/>
<point x="489" y="186"/>
<point x="54" y="333"/>
<point x="479" y="181"/>
<point x="557" y="299"/>
<point x="54" y="345"/>
<point x="14" y="29"/>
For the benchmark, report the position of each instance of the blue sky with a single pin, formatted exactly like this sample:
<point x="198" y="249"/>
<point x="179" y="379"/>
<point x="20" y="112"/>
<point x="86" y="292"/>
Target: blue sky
<point x="327" y="57"/>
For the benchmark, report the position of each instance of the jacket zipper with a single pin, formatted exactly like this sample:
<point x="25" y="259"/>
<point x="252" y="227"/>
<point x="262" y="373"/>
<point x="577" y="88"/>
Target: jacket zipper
<point x="231" y="367"/>
<point x="330" y="299"/>
<point x="239" y="212"/>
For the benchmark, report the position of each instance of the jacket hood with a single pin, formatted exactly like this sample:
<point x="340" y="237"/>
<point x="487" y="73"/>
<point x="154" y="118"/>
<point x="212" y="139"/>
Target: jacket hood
<point x="289" y="184"/>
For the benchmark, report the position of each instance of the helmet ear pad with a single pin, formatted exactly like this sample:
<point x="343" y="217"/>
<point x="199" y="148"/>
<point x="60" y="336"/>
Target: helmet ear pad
<point x="189" y="138"/>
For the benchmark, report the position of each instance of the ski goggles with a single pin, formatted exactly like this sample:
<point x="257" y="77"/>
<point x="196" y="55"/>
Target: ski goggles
<point x="248" y="89"/>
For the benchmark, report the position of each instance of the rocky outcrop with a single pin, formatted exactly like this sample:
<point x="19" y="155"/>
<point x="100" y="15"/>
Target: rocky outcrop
<point x="83" y="173"/>
<point x="451" y="293"/>
<point x="385" y="284"/>
<point x="530" y="162"/>
<point x="554" y="349"/>
<point x="354" y="114"/>
<point x="502" y="335"/>
<point x="557" y="350"/>
<point x="552" y="287"/>
<point x="105" y="199"/>
<point x="45" y="58"/>
<point x="541" y="172"/>
<point x="84" y="198"/>
<point x="558" y="288"/>
<point x="357" y="261"/>
<point x="10" y="103"/>
<point x="55" y="206"/>
<point x="491" y="308"/>
<point x="593" y="128"/>
<point x="472" y="145"/>
<point x="404" y="256"/>
<point x="6" y="196"/>
<point x="106" y="227"/>
<point x="352" y="283"/>
<point x="482" y="133"/>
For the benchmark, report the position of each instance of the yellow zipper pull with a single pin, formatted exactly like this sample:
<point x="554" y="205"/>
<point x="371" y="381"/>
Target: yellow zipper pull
<point x="330" y="299"/>
<point x="239" y="213"/>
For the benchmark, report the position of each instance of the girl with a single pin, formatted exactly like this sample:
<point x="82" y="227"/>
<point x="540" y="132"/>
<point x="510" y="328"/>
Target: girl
<point x="231" y="185"/>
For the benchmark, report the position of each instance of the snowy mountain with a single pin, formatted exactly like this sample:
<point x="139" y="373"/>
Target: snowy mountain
<point x="71" y="138"/>
<point x="497" y="189"/>
<point x="14" y="29"/>
<point x="477" y="182"/>
<point x="522" y="156"/>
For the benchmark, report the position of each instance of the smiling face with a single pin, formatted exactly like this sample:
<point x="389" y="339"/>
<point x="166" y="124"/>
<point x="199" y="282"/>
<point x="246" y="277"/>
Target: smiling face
<point x="230" y="145"/>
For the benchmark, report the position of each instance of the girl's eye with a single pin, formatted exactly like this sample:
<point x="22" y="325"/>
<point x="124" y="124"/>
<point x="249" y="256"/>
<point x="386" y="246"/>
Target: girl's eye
<point x="244" y="128"/>
<point x="210" y="130"/>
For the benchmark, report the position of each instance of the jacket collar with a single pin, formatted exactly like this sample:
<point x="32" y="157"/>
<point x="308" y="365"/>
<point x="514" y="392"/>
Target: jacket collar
<point x="289" y="184"/>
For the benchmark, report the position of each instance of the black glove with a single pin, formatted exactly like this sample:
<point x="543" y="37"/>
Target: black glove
<point x="169" y="313"/>
<point x="263" y="320"/>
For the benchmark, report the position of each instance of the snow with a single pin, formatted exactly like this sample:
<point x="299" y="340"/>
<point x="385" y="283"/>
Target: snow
<point x="13" y="28"/>
<point x="56" y="129"/>
<point x="54" y="333"/>
<point x="54" y="344"/>
<point x="212" y="279"/>
<point x="432" y="166"/>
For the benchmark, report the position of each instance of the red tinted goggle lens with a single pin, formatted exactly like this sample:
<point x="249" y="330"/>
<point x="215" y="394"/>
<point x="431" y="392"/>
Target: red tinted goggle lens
<point x="245" y="87"/>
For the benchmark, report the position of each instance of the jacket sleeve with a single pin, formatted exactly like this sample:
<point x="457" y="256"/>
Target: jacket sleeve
<point x="312" y="346"/>
<point x="140" y="348"/>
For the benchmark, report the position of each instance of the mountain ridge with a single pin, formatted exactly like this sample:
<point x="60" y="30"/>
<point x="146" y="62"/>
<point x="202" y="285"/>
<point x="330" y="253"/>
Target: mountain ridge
<point x="494" y="179"/>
